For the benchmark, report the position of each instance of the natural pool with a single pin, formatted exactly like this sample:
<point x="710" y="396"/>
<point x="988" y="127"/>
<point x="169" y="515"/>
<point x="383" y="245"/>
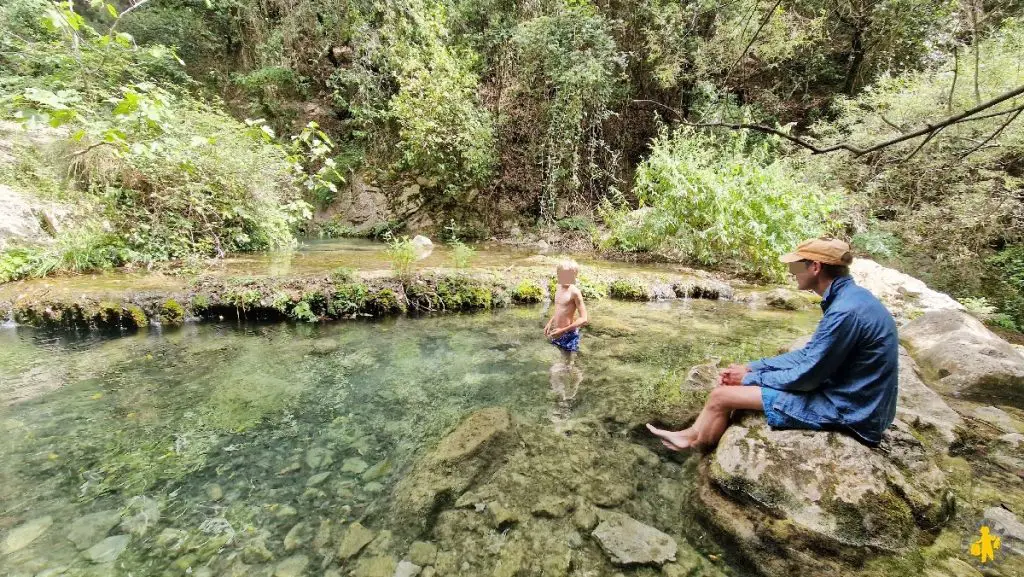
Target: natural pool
<point x="224" y="449"/>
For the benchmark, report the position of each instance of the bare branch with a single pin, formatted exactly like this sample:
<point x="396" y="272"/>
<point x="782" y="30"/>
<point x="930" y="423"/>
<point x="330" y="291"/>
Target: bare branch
<point x="895" y="126"/>
<point x="928" y="129"/>
<point x="956" y="69"/>
<point x="129" y="10"/>
<point x="753" y="38"/>
<point x="993" y="135"/>
<point x="926" y="140"/>
<point x="91" y="147"/>
<point x="992" y="114"/>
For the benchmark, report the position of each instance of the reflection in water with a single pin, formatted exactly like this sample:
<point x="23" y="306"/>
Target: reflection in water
<point x="212" y="443"/>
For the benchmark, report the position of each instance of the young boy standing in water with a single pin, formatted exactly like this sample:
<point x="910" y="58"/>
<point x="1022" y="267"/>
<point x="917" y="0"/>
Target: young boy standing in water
<point x="564" y="332"/>
<point x="562" y="329"/>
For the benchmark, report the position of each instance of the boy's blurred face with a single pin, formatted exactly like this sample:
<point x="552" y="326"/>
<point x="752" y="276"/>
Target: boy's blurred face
<point x="566" y="276"/>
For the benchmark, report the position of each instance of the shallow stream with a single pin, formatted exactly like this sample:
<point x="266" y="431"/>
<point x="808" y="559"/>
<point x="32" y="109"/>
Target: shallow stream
<point x="225" y="435"/>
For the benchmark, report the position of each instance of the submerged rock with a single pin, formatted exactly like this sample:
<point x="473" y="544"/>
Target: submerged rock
<point x="451" y="467"/>
<point x="108" y="550"/>
<point x="960" y="357"/>
<point x="23" y="535"/>
<point x="354" y="465"/>
<point x="422" y="553"/>
<point x="297" y="536"/>
<point x="775" y="492"/>
<point x="407" y="569"/>
<point x="356" y="537"/>
<point x="627" y="541"/>
<point x="87" y="530"/>
<point x="1009" y="527"/>
<point x="294" y="566"/>
<point x="143" y="513"/>
<point x="375" y="567"/>
<point x="318" y="457"/>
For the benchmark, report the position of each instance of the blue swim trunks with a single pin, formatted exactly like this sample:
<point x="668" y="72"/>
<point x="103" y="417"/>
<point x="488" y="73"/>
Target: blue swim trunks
<point x="569" y="341"/>
<point x="779" y="420"/>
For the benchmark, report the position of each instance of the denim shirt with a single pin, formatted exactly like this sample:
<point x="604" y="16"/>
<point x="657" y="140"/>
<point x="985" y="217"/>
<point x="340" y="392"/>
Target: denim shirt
<point x="847" y="375"/>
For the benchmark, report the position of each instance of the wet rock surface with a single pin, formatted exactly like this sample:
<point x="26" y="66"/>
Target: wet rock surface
<point x="627" y="541"/>
<point x="806" y="487"/>
<point x="959" y="356"/>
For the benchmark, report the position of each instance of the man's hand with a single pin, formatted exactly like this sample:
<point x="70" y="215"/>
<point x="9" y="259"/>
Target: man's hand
<point x="554" y="334"/>
<point x="733" y="375"/>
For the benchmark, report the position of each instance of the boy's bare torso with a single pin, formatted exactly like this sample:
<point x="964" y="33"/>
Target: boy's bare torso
<point x="565" y="305"/>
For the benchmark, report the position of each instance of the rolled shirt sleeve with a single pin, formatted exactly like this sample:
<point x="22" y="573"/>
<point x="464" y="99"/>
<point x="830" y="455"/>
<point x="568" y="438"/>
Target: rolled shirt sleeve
<point x="805" y="369"/>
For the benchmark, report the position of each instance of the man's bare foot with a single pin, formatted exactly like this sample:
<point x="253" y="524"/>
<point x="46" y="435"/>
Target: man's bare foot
<point x="674" y="440"/>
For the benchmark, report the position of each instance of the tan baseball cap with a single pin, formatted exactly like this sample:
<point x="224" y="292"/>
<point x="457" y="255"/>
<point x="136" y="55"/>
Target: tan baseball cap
<point x="823" y="250"/>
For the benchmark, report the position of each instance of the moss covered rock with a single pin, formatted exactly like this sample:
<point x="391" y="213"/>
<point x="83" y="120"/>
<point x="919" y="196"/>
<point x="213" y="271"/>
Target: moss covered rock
<point x="960" y="357"/>
<point x="438" y="479"/>
<point x="528" y="291"/>
<point x="628" y="289"/>
<point x="822" y="490"/>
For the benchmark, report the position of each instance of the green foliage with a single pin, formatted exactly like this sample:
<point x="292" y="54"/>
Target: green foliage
<point x="461" y="253"/>
<point x="528" y="291"/>
<point x="946" y="208"/>
<point x="877" y="243"/>
<point x="343" y="275"/>
<point x="459" y="292"/>
<point x="444" y="135"/>
<point x="385" y="301"/>
<point x="77" y="250"/>
<point x="978" y="306"/>
<point x="574" y="67"/>
<point x="312" y="165"/>
<point x="347" y="299"/>
<point x="187" y="29"/>
<point x="402" y="254"/>
<point x="717" y="203"/>
<point x="627" y="289"/>
<point x="172" y="175"/>
<point x="576" y="223"/>
<point x="303" y="312"/>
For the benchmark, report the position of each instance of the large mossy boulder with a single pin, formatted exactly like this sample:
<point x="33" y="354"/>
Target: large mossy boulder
<point x="472" y="449"/>
<point x="959" y="357"/>
<point x="805" y="502"/>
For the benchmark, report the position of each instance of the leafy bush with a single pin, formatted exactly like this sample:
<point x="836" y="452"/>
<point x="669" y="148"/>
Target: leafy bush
<point x="576" y="223"/>
<point x="402" y="254"/>
<point x="461" y="253"/>
<point x="720" y="203"/>
<point x="172" y="175"/>
<point x="571" y="60"/>
<point x="877" y="243"/>
<point x="445" y="136"/>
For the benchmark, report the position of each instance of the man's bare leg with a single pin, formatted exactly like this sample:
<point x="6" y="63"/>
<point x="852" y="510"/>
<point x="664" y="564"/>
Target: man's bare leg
<point x="713" y="418"/>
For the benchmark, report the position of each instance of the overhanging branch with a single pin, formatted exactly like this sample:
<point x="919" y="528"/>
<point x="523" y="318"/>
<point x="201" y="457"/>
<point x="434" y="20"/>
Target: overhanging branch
<point x="929" y="130"/>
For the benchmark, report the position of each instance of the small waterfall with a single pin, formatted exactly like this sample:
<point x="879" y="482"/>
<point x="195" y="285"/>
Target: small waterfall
<point x="9" y="322"/>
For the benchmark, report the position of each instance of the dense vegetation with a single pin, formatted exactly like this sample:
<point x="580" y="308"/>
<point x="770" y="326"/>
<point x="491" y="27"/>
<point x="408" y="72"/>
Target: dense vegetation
<point x="553" y="114"/>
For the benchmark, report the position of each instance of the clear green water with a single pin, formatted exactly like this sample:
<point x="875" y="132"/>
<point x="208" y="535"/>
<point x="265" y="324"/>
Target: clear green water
<point x="220" y="431"/>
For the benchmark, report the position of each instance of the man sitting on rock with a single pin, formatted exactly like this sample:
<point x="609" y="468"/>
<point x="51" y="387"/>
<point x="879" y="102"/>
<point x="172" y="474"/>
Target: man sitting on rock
<point x="844" y="379"/>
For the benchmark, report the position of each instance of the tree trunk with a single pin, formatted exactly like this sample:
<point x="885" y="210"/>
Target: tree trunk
<point x="856" y="61"/>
